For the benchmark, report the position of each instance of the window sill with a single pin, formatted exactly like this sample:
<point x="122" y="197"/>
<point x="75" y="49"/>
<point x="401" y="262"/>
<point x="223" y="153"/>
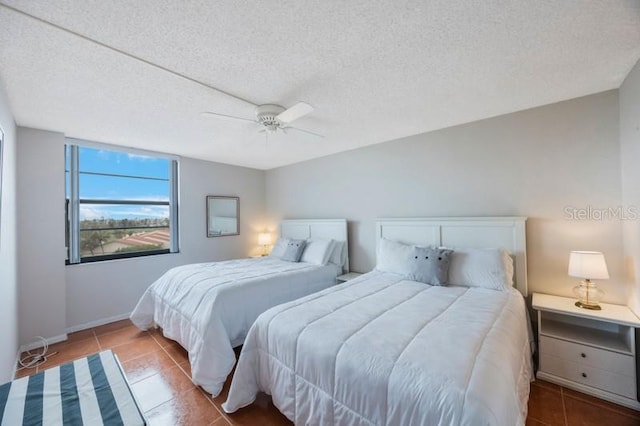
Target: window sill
<point x="119" y="256"/>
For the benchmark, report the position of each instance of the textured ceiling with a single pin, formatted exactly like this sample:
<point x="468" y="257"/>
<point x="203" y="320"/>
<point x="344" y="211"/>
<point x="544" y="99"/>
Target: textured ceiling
<point x="374" y="70"/>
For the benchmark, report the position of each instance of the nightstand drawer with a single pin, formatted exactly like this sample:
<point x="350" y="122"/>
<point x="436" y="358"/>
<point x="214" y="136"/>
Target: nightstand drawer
<point x="589" y="356"/>
<point x="612" y="382"/>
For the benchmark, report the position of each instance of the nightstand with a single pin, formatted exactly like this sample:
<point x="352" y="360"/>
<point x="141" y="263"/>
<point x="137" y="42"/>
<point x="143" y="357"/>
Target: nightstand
<point x="590" y="351"/>
<point x="348" y="276"/>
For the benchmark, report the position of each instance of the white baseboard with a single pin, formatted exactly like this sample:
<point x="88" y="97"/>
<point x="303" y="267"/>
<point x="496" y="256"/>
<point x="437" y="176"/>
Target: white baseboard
<point x="63" y="337"/>
<point x="97" y="323"/>
<point x="38" y="343"/>
<point x="35" y="345"/>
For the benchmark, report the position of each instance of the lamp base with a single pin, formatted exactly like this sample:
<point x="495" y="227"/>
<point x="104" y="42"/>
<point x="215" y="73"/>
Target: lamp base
<point x="593" y="307"/>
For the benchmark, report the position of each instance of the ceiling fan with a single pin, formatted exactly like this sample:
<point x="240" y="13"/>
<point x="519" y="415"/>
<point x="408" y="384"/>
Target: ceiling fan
<point x="274" y="118"/>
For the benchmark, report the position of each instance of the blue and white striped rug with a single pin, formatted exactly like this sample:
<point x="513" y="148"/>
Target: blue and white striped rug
<point x="88" y="391"/>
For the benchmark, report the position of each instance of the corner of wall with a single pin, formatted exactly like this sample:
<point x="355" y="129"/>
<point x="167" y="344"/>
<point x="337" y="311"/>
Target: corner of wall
<point x="8" y="244"/>
<point x="629" y="104"/>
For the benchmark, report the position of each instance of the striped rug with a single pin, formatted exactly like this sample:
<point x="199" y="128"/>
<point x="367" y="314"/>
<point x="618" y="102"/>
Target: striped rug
<point x="88" y="391"/>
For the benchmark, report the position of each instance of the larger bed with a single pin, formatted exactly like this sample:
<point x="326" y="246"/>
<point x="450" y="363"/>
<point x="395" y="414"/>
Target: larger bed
<point x="209" y="307"/>
<point x="384" y="350"/>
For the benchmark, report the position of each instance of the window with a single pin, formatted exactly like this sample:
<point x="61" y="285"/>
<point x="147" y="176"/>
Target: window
<point x="119" y="204"/>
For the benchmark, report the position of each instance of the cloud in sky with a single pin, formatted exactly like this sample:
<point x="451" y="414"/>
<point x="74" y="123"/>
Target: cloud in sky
<point x="140" y="157"/>
<point x="90" y="212"/>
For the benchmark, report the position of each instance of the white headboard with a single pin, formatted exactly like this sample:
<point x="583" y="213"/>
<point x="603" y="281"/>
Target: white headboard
<point x="474" y="232"/>
<point x="335" y="229"/>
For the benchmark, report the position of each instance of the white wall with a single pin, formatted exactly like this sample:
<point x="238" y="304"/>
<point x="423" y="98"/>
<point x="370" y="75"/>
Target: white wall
<point x="8" y="268"/>
<point x="532" y="163"/>
<point x="630" y="157"/>
<point x="41" y="248"/>
<point x="56" y="298"/>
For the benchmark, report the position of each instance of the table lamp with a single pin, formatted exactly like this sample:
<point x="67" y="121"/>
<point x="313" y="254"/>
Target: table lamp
<point x="588" y="265"/>
<point x="264" y="239"/>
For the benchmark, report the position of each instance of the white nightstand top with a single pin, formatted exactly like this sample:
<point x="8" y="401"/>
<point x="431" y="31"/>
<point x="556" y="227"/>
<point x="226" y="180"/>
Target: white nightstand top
<point x="348" y="276"/>
<point x="618" y="314"/>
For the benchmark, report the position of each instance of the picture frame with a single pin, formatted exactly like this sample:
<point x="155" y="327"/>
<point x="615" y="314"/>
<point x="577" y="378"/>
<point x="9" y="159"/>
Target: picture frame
<point x="223" y="216"/>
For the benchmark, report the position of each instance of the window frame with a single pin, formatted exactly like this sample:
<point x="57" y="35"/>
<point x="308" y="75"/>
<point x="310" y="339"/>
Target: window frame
<point x="73" y="202"/>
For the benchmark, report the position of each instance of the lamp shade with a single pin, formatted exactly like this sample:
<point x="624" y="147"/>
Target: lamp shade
<point x="588" y="265"/>
<point x="264" y="238"/>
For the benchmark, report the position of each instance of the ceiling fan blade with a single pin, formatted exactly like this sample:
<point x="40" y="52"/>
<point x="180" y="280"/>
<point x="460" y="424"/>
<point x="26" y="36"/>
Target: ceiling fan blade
<point x="227" y="117"/>
<point x="318" y="135"/>
<point x="298" y="110"/>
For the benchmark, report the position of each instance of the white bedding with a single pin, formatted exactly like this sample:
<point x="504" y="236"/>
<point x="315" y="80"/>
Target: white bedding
<point x="209" y="307"/>
<point x="385" y="351"/>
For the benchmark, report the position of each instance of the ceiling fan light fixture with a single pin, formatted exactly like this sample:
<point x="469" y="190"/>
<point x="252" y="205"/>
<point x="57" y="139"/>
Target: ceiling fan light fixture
<point x="272" y="128"/>
<point x="274" y="118"/>
<point x="267" y="114"/>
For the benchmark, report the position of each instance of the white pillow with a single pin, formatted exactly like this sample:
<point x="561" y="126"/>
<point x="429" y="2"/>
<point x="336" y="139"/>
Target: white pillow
<point x="279" y="248"/>
<point x="486" y="268"/>
<point x="317" y="252"/>
<point x="339" y="253"/>
<point x="507" y="261"/>
<point x="394" y="256"/>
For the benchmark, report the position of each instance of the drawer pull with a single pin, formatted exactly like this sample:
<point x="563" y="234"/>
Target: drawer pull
<point x="584" y="375"/>
<point x="583" y="355"/>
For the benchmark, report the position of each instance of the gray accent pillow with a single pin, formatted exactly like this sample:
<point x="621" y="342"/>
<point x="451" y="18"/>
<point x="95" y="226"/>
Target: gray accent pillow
<point x="430" y="265"/>
<point x="293" y="250"/>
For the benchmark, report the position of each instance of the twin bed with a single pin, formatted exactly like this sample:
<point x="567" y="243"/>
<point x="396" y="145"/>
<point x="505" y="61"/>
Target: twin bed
<point x="385" y="350"/>
<point x="209" y="307"/>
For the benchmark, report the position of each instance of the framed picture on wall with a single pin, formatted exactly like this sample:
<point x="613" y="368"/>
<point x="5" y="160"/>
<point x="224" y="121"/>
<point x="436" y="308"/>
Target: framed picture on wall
<point x="223" y="216"/>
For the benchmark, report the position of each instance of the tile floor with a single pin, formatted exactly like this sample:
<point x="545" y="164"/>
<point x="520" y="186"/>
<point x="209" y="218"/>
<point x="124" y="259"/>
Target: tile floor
<point x="159" y="373"/>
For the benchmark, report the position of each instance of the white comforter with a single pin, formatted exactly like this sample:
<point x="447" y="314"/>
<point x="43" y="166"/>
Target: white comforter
<point x="209" y="307"/>
<point x="384" y="351"/>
